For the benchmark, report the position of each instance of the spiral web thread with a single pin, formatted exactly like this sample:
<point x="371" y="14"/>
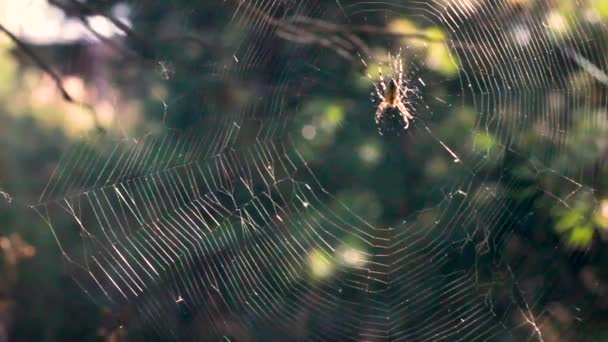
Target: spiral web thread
<point x="211" y="231"/>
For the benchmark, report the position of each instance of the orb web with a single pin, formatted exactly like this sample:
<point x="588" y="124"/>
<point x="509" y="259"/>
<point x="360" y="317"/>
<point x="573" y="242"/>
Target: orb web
<point x="225" y="228"/>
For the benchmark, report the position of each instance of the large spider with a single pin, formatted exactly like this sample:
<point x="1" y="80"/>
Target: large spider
<point x="393" y="95"/>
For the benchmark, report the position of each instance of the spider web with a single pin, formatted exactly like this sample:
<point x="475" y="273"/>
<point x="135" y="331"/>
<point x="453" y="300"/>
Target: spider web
<point x="226" y="229"/>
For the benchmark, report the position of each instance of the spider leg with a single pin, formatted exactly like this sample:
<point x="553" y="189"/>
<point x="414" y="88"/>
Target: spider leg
<point x="405" y="114"/>
<point x="378" y="92"/>
<point x="382" y="83"/>
<point x="379" y="112"/>
<point x="402" y="88"/>
<point x="398" y="65"/>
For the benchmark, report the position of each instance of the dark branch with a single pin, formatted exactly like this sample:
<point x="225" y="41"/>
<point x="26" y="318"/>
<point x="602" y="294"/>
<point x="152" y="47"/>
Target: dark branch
<point x="82" y="10"/>
<point x="47" y="68"/>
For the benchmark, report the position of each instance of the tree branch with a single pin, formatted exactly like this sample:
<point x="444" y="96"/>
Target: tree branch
<point x="47" y="68"/>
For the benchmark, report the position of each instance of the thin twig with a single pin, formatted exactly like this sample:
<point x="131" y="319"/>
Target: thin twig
<point x="81" y="7"/>
<point x="113" y="45"/>
<point x="307" y="30"/>
<point x="30" y="53"/>
<point x="49" y="70"/>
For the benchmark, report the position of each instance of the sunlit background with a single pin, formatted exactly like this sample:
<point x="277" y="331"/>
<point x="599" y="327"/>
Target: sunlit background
<point x="121" y="72"/>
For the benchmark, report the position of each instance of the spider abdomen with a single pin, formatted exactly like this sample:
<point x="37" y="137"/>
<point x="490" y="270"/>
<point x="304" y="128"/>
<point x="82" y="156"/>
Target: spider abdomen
<point x="391" y="97"/>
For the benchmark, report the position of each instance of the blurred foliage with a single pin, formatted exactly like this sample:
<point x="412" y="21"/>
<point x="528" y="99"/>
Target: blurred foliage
<point x="168" y="77"/>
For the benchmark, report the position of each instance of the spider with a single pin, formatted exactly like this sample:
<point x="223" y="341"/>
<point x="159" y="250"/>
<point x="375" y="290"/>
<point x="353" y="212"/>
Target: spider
<point x="393" y="95"/>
